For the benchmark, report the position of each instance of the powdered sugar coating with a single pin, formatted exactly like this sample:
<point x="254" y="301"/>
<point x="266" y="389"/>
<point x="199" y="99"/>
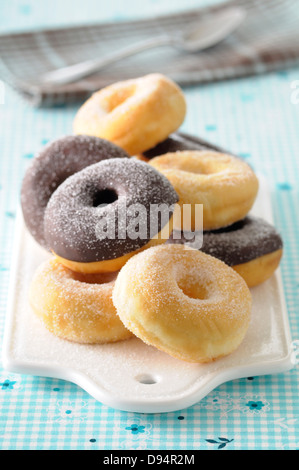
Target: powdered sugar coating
<point x="183" y="301"/>
<point x="75" y="306"/>
<point x="72" y="218"/>
<point x="51" y="166"/>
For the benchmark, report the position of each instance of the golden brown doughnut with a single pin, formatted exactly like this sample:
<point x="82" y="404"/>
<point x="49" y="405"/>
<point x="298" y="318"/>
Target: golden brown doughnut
<point x="184" y="302"/>
<point x="258" y="270"/>
<point x="76" y="307"/>
<point x="135" y="114"/>
<point x="224" y="184"/>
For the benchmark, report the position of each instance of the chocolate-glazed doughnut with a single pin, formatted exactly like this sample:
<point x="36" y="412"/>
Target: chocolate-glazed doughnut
<point x="51" y="166"/>
<point x="89" y="220"/>
<point x="251" y="246"/>
<point x="179" y="141"/>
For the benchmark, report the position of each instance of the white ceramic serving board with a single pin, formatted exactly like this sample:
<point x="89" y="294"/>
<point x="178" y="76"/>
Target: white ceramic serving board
<point x="130" y="375"/>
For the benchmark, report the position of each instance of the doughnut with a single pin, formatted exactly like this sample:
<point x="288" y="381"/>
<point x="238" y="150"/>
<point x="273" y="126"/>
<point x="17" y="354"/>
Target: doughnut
<point x="251" y="246"/>
<point x="177" y="142"/>
<point x="75" y="306"/>
<point x="184" y="302"/>
<point x="224" y="184"/>
<point x="51" y="166"/>
<point x="135" y="114"/>
<point x="90" y="220"/>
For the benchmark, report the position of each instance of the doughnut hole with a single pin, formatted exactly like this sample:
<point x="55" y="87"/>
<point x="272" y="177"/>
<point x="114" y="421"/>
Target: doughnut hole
<point x="195" y="166"/>
<point x="192" y="289"/>
<point x="104" y="197"/>
<point x="191" y="283"/>
<point x="118" y="97"/>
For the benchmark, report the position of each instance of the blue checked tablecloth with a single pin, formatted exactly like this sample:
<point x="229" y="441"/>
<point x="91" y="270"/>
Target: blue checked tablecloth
<point x="258" y="119"/>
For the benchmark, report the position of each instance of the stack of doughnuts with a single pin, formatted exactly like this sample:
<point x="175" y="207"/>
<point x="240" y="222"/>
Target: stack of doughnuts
<point x="226" y="187"/>
<point x="72" y="292"/>
<point x="87" y="199"/>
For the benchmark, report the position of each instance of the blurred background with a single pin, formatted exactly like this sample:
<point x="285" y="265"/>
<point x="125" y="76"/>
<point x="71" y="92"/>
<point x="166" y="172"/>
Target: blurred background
<point x="27" y="14"/>
<point x="53" y="35"/>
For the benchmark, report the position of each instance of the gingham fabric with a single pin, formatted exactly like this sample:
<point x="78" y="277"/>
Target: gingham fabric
<point x="267" y="40"/>
<point x="257" y="118"/>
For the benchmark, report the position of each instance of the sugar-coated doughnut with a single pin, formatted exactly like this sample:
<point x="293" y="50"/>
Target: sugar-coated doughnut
<point x="252" y="246"/>
<point x="51" y="166"/>
<point x="225" y="185"/>
<point x="184" y="302"/>
<point x="75" y="306"/>
<point x="135" y="114"/>
<point x="101" y="216"/>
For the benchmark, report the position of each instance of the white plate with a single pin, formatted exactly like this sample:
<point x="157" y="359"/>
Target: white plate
<point x="121" y="375"/>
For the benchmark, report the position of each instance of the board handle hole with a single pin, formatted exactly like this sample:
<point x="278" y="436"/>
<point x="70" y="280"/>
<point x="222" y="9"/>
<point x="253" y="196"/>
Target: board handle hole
<point x="147" y="379"/>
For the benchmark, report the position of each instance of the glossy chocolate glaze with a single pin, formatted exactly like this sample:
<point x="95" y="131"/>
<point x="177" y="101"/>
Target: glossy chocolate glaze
<point x="180" y="141"/>
<point x="57" y="161"/>
<point x="239" y="243"/>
